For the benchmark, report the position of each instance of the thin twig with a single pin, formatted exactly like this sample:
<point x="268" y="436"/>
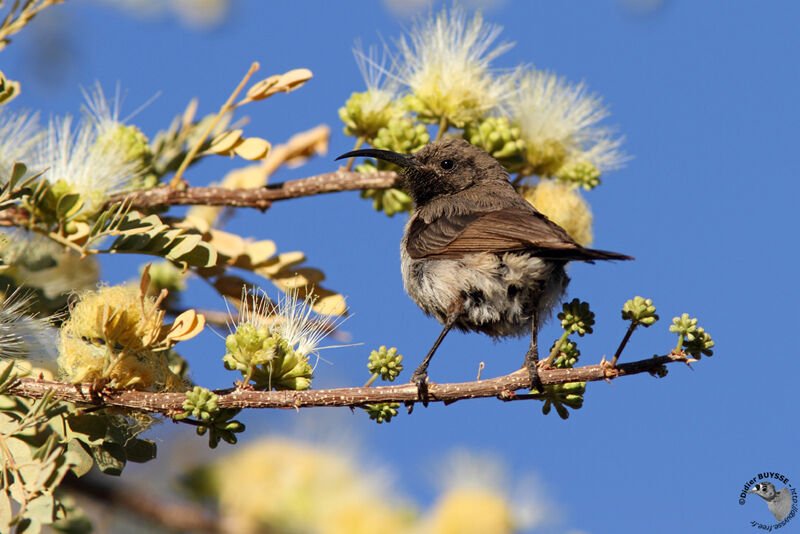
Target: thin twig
<point x="622" y="344"/>
<point x="167" y="403"/>
<point x="227" y="106"/>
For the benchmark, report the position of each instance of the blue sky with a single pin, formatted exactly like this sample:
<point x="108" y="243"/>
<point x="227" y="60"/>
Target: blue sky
<point x="706" y="96"/>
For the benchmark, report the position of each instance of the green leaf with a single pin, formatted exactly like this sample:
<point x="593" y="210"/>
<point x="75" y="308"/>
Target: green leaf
<point x="164" y="239"/>
<point x="133" y="223"/>
<point x="110" y="458"/>
<point x="137" y="242"/>
<point x="140" y="450"/>
<point x="68" y="205"/>
<point x="17" y="173"/>
<point x="42" y="509"/>
<point x="203" y="255"/>
<point x="88" y="428"/>
<point x="5" y="376"/>
<point x="184" y="246"/>
<point x="82" y="460"/>
<point x="101" y="221"/>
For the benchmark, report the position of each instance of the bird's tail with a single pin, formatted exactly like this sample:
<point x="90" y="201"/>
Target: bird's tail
<point x="593" y="254"/>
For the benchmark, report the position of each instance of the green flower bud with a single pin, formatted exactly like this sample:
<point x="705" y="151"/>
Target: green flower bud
<point x="683" y="325"/>
<point x="567" y="355"/>
<point x="577" y="318"/>
<point x="382" y="412"/>
<point x="386" y="363"/>
<point x="365" y="113"/>
<point x="580" y="173"/>
<point x="698" y="343"/>
<point x="562" y="396"/>
<point x="200" y="403"/>
<point x="133" y="146"/>
<point x="500" y="139"/>
<point x="639" y="311"/>
<point x="401" y="135"/>
<point x="390" y="200"/>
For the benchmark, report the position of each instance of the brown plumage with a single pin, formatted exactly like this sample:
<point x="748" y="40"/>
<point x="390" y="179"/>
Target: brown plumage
<point x="475" y="254"/>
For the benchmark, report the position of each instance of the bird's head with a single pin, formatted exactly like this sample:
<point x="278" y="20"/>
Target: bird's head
<point x="765" y="490"/>
<point x="441" y="168"/>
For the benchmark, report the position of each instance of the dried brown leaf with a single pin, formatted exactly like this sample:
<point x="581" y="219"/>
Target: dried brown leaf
<point x="279" y="83"/>
<point x="186" y="326"/>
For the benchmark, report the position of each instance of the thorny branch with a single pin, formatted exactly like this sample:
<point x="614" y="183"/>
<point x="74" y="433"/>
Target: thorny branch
<point x="502" y="387"/>
<point x="260" y="197"/>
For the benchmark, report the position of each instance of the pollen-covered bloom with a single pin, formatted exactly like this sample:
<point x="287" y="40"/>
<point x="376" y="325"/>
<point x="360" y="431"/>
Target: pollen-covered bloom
<point x="559" y="125"/>
<point x="367" y="112"/>
<point x="74" y="163"/>
<point x="116" y="334"/>
<point x="564" y="205"/>
<point x="271" y="344"/>
<point x="446" y="63"/>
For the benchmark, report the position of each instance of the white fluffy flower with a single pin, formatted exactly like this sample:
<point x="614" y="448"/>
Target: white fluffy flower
<point x="446" y="62"/>
<point x="18" y="134"/>
<point x="290" y="317"/>
<point x="69" y="154"/>
<point x="23" y="336"/>
<point x="559" y="123"/>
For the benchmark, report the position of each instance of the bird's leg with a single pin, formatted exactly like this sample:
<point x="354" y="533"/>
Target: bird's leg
<point x="420" y="376"/>
<point x="532" y="356"/>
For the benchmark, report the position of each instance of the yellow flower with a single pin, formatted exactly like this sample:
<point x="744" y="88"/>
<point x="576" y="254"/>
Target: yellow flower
<point x="472" y="511"/>
<point x="445" y="63"/>
<point x="296" y="487"/>
<point x="563" y="205"/>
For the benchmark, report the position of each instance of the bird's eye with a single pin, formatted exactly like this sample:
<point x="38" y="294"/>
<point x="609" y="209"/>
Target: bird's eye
<point x="447" y="164"/>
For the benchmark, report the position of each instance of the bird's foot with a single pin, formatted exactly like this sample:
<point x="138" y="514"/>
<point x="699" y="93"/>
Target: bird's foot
<point x="421" y="380"/>
<point x="533" y="370"/>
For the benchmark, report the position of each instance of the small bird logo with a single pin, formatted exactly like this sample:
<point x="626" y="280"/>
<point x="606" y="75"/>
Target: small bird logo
<point x="475" y="254"/>
<point x="778" y="502"/>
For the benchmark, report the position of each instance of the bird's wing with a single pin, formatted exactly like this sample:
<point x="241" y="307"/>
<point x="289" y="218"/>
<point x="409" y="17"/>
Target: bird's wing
<point x="501" y="230"/>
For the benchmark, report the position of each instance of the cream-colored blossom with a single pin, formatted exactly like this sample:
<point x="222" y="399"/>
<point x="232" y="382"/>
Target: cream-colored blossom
<point x="565" y="206"/>
<point x="69" y="156"/>
<point x="560" y="124"/>
<point x="18" y="134"/>
<point x="446" y="63"/>
<point x="22" y="335"/>
<point x="290" y="317"/>
<point x="367" y="112"/>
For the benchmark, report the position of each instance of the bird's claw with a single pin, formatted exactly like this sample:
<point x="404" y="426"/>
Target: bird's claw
<point x="533" y="371"/>
<point x="421" y="381"/>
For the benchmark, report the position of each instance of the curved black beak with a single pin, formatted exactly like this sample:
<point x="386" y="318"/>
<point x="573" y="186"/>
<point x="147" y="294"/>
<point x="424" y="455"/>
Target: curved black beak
<point x="402" y="160"/>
